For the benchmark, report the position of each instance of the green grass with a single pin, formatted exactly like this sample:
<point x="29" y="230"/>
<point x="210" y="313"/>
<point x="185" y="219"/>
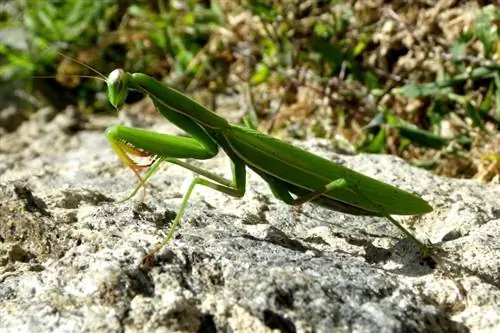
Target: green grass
<point x="321" y="68"/>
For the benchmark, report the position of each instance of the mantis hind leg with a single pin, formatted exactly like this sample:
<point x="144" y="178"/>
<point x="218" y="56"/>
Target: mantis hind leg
<point x="282" y="190"/>
<point x="342" y="183"/>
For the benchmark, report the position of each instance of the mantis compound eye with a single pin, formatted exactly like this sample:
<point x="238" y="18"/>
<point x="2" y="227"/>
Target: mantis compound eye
<point x="117" y="87"/>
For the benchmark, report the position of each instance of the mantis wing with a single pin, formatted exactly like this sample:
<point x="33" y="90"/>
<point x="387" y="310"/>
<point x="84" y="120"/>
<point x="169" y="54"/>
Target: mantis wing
<point x="311" y="172"/>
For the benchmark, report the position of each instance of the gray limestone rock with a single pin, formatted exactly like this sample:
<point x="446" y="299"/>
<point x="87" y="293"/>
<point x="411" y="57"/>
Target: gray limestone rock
<point x="70" y="250"/>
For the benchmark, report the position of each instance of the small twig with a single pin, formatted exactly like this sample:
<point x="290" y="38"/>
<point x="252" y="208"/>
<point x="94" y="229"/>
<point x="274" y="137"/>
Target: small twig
<point x="473" y="60"/>
<point x="390" y="76"/>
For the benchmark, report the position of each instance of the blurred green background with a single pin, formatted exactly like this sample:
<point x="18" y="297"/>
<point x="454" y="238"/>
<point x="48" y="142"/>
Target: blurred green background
<point x="410" y="79"/>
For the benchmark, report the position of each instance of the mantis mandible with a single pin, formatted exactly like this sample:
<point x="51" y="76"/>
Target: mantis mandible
<point x="295" y="176"/>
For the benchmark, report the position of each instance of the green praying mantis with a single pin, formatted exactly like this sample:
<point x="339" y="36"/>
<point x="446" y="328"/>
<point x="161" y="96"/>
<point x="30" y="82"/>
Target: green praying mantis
<point x="294" y="176"/>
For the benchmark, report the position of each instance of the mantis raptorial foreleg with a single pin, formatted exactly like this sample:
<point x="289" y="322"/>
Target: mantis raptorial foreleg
<point x="143" y="180"/>
<point x="234" y="187"/>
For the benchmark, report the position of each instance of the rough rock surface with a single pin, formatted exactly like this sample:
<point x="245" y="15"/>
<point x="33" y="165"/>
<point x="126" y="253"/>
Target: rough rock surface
<point x="70" y="251"/>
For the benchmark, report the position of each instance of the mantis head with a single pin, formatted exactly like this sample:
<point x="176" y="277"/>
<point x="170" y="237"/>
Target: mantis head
<point x="117" y="87"/>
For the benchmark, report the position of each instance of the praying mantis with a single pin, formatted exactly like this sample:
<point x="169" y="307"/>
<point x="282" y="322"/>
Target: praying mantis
<point x="294" y="176"/>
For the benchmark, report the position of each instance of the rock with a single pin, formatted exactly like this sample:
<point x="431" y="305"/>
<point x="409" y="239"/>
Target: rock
<point x="11" y="118"/>
<point x="250" y="264"/>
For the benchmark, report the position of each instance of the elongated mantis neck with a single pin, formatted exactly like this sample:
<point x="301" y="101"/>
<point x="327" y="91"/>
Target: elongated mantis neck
<point x="175" y="105"/>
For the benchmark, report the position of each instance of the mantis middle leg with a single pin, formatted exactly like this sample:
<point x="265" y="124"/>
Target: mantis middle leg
<point x="169" y="148"/>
